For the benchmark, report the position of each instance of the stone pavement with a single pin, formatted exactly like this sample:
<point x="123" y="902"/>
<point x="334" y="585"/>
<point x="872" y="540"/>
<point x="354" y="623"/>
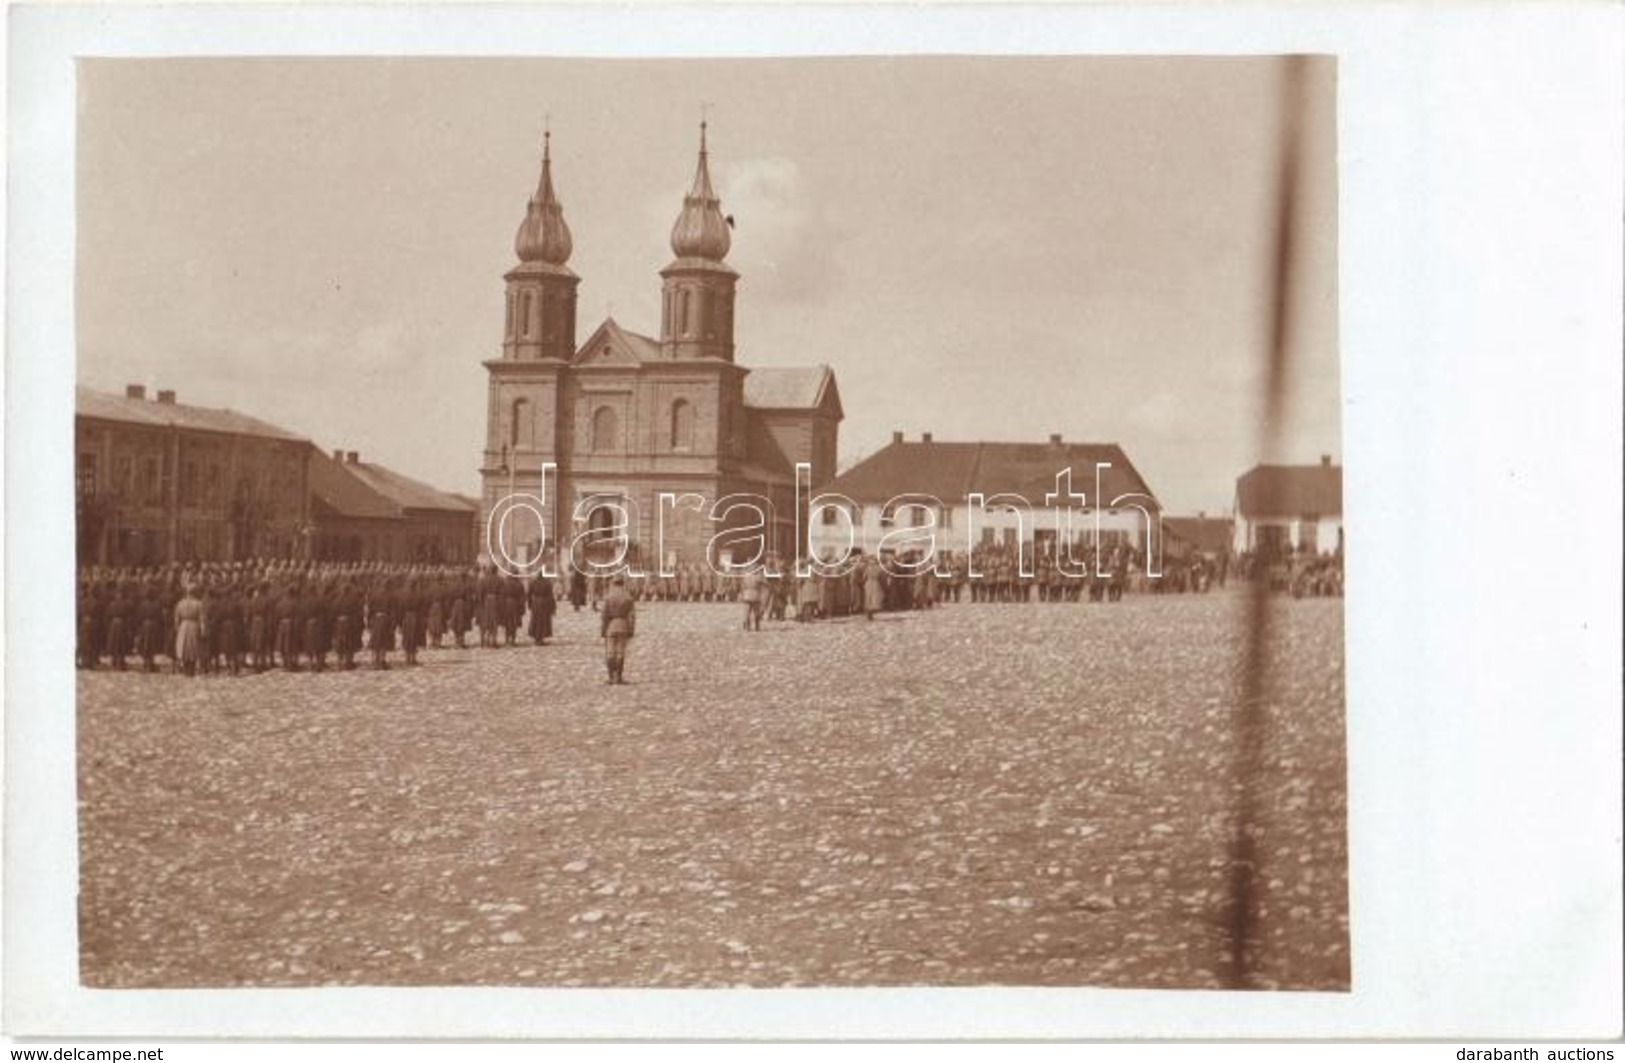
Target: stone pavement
<point x="981" y="794"/>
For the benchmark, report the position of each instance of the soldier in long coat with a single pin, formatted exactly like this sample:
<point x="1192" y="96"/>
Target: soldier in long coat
<point x="514" y="589"/>
<point x="753" y="591"/>
<point x="855" y="580"/>
<point x="188" y="632"/>
<point x="380" y="625"/>
<point x="287" y="619"/>
<point x="149" y="630"/>
<point x="349" y="621"/>
<point x="308" y="621"/>
<point x="617" y="624"/>
<point x="254" y="610"/>
<point x="409" y="602"/>
<point x="119" y="608"/>
<point x="434" y="624"/>
<point x="461" y="591"/>
<point x="542" y="607"/>
<point x="227" y="636"/>
<point x="490" y="590"/>
<point x="90" y="624"/>
<point x="874" y="589"/>
<point x="171" y="597"/>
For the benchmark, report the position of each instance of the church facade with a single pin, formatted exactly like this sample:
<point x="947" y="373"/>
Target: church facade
<point x="650" y="443"/>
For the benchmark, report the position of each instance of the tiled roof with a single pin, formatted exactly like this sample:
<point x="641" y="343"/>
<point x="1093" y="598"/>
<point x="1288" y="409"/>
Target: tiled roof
<point x="794" y="388"/>
<point x="1203" y="533"/>
<point x="798" y="388"/>
<point x="366" y="489"/>
<point x="952" y="471"/>
<point x="405" y="491"/>
<point x="1291" y="491"/>
<point x="99" y="404"/>
<point x="345" y="493"/>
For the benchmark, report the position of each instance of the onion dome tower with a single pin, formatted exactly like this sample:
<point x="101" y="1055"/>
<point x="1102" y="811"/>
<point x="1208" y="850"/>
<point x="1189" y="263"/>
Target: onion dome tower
<point x="697" y="305"/>
<point x="541" y="320"/>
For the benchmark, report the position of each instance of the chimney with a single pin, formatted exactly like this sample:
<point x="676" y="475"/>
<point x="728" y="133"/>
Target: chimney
<point x="1055" y="439"/>
<point x="167" y="398"/>
<point x="338" y="457"/>
<point x="925" y="437"/>
<point x="135" y="391"/>
<point x="897" y="437"/>
<point x="352" y="458"/>
<point x="1325" y="461"/>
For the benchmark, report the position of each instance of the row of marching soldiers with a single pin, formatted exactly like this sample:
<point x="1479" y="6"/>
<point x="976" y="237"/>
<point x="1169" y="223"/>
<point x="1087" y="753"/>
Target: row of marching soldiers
<point x="252" y="617"/>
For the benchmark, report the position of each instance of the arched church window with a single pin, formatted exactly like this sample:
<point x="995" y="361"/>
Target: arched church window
<point x="524" y="314"/>
<point x="682" y="425"/>
<point x="605" y="430"/>
<point x="519" y="431"/>
<point x="685" y="311"/>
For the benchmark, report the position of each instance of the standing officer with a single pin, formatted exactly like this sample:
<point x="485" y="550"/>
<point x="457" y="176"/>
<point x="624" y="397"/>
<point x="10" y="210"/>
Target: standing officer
<point x="578" y="586"/>
<point x="617" y="623"/>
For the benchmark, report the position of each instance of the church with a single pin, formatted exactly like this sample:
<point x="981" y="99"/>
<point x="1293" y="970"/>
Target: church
<point x="644" y="439"/>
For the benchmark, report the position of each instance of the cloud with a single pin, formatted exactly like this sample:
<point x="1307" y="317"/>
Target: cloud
<point x="786" y="243"/>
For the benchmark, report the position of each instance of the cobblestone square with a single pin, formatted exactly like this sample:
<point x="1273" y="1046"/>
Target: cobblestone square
<point x="982" y="794"/>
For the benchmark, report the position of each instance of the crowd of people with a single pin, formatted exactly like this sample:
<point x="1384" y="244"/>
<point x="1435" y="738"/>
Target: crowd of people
<point x="235" y="618"/>
<point x="252" y="616"/>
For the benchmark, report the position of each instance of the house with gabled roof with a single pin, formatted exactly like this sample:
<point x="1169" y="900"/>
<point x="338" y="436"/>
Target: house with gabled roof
<point x="363" y="511"/>
<point x="1035" y="496"/>
<point x="1290" y="508"/>
<point x="601" y="430"/>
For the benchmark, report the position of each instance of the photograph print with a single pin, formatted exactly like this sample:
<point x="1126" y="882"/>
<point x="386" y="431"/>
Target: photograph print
<point x="702" y="523"/>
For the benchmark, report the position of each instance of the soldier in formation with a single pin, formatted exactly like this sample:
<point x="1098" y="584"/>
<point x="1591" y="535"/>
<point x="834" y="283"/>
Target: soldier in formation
<point x="252" y="616"/>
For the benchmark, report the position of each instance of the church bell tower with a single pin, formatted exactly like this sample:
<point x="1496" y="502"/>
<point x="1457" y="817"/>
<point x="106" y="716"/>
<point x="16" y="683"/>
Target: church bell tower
<point x="541" y="320"/>
<point x="697" y="304"/>
<point x="526" y="382"/>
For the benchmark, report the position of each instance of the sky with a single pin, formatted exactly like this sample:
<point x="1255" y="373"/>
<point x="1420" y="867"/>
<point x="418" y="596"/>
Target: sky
<point x="993" y="249"/>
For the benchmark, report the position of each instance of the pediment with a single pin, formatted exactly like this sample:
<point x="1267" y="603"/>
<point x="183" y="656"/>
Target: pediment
<point x="611" y="345"/>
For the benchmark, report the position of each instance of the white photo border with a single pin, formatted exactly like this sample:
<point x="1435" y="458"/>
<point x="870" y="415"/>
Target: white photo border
<point x="1479" y="235"/>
